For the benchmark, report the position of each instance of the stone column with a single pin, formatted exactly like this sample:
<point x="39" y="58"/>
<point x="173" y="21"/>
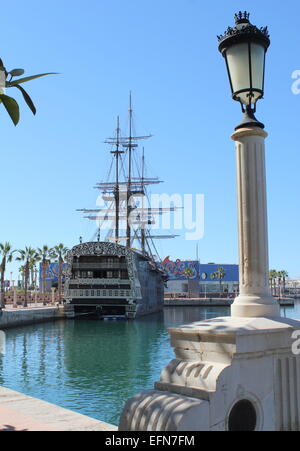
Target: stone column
<point x="255" y="299"/>
<point x="15" y="305"/>
<point x="53" y="296"/>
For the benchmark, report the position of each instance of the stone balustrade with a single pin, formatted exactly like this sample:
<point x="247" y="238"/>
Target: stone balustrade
<point x="31" y="298"/>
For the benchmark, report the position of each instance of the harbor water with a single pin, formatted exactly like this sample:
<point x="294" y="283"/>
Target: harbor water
<point x="91" y="366"/>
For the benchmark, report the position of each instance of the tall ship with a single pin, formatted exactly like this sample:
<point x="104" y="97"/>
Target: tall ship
<point x="120" y="276"/>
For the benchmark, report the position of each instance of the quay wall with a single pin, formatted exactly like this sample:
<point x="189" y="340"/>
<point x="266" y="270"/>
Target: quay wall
<point x="22" y="317"/>
<point x="217" y="302"/>
<point x="181" y="302"/>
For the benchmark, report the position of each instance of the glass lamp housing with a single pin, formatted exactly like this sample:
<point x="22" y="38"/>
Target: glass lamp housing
<point x="244" y="49"/>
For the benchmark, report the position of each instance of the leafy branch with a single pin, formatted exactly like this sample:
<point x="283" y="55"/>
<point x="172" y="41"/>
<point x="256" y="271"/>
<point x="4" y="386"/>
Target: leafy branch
<point x="7" y="81"/>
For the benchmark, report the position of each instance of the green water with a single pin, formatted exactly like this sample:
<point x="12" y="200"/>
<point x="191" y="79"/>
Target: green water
<point x="92" y="367"/>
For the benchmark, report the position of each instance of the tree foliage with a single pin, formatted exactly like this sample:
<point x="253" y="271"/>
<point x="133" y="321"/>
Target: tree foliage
<point x="7" y="81"/>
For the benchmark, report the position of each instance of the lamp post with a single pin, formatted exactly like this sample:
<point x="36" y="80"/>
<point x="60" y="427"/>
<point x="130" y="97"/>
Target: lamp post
<point x="244" y="49"/>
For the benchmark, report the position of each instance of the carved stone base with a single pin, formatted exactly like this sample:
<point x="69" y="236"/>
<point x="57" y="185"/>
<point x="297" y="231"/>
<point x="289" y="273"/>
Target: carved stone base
<point x="228" y="374"/>
<point x="255" y="306"/>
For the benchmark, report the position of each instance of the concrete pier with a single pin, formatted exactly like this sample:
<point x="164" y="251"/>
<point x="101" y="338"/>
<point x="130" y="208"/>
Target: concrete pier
<point x="11" y="317"/>
<point x="19" y="412"/>
<point x="215" y="302"/>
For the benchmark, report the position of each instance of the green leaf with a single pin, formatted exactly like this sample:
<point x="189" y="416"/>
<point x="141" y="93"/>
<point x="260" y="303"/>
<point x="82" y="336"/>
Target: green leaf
<point x="27" y="98"/>
<point x="23" y="80"/>
<point x="16" y="72"/>
<point x="11" y="107"/>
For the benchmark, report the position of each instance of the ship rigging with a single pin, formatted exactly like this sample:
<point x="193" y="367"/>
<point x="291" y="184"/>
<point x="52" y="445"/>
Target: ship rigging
<point x="127" y="211"/>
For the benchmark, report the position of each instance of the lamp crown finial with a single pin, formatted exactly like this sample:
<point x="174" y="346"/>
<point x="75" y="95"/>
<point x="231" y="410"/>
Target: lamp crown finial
<point x="242" y="17"/>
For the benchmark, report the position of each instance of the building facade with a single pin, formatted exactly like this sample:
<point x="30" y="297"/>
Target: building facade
<point x="195" y="278"/>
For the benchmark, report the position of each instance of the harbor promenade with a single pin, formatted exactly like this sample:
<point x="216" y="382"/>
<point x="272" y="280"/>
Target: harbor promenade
<point x="19" y="412"/>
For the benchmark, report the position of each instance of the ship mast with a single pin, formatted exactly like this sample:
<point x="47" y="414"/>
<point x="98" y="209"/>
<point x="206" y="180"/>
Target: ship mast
<point x="130" y="146"/>
<point x="117" y="153"/>
<point x="142" y="186"/>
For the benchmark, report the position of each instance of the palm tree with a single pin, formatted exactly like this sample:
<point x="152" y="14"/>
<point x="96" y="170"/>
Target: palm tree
<point x="45" y="254"/>
<point x="283" y="275"/>
<point x="278" y="283"/>
<point x="213" y="276"/>
<point x="60" y="252"/>
<point x="22" y="273"/>
<point x="6" y="253"/>
<point x="28" y="255"/>
<point x="32" y="269"/>
<point x="188" y="273"/>
<point x="219" y="274"/>
<point x="272" y="277"/>
<point x="6" y="81"/>
<point x="31" y="272"/>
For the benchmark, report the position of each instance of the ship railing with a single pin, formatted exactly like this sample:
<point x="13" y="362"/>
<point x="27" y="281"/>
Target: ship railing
<point x="104" y="293"/>
<point x="85" y="265"/>
<point x="92" y="281"/>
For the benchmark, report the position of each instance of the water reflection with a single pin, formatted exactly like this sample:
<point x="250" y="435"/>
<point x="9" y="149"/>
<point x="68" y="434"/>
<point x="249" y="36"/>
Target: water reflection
<point x="175" y="316"/>
<point x="293" y="312"/>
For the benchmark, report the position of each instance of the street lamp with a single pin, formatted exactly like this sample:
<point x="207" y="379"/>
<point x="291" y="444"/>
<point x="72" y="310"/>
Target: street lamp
<point x="244" y="48"/>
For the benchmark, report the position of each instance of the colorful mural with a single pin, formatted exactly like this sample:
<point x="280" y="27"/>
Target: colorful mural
<point x="231" y="272"/>
<point x="193" y="270"/>
<point x="181" y="269"/>
<point x="52" y="271"/>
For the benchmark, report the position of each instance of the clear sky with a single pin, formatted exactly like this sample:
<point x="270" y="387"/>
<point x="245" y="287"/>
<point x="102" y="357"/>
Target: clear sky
<point x="165" y="52"/>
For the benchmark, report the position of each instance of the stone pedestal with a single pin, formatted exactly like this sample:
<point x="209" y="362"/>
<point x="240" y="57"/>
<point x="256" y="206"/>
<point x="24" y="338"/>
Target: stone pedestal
<point x="228" y="374"/>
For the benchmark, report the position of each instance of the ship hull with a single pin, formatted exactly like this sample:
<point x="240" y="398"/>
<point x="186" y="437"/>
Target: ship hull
<point x="109" y="281"/>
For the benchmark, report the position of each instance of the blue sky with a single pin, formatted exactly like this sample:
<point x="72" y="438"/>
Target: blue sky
<point x="165" y="52"/>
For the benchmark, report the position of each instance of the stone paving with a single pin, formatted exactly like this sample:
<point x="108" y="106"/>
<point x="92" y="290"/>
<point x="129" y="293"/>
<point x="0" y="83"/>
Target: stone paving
<point x="19" y="412"/>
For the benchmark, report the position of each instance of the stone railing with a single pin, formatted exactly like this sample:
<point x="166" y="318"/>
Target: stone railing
<point x="32" y="298"/>
<point x="88" y="266"/>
